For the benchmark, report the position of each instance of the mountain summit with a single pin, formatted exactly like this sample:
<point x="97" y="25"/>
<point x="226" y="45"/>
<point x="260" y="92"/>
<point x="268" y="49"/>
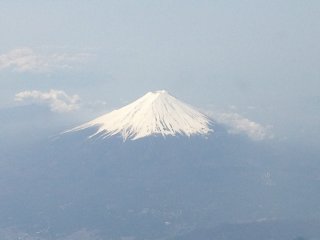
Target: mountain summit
<point x="155" y="113"/>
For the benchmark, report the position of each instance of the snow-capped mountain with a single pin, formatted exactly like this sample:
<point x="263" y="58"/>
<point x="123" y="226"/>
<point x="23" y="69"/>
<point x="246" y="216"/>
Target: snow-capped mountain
<point x="156" y="113"/>
<point x="172" y="188"/>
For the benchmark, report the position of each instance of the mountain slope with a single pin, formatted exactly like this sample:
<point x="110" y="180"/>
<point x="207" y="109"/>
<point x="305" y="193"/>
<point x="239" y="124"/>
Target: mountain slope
<point x="156" y="113"/>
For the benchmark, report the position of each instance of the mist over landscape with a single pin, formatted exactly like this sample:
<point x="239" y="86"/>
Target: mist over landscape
<point x="169" y="120"/>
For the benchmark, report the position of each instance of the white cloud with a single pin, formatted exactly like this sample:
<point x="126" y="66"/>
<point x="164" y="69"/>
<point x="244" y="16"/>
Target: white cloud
<point x="28" y="60"/>
<point x="238" y="124"/>
<point x="57" y="100"/>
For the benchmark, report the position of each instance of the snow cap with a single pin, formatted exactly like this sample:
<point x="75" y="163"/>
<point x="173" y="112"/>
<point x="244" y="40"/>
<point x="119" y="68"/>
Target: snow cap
<point x="155" y="113"/>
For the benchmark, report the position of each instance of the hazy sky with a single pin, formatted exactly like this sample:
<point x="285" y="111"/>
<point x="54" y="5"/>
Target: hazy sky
<point x="260" y="59"/>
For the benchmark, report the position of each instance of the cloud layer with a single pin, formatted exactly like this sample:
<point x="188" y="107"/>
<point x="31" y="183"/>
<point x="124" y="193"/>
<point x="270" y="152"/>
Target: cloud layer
<point x="57" y="100"/>
<point x="238" y="124"/>
<point x="28" y="60"/>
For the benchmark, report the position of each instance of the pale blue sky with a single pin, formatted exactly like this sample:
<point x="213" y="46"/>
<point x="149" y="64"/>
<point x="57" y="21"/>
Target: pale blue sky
<point x="260" y="57"/>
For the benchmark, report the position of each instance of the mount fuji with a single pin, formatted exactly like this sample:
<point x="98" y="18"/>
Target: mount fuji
<point x="156" y="169"/>
<point x="156" y="113"/>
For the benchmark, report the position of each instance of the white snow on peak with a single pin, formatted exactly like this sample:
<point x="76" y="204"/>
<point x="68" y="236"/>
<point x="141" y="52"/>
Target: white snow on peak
<point x="156" y="113"/>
